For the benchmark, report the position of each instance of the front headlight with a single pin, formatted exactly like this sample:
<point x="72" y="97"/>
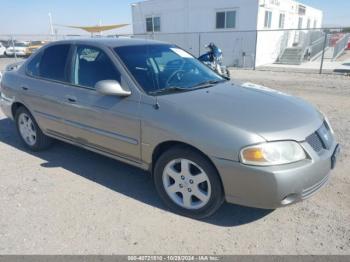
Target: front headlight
<point x="272" y="153"/>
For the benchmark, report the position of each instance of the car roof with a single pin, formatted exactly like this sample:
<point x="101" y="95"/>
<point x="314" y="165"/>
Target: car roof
<point x="110" y="42"/>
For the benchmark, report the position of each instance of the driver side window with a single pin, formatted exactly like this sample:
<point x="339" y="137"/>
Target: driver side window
<point x="92" y="65"/>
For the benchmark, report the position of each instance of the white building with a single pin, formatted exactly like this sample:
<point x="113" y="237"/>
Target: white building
<point x="231" y="24"/>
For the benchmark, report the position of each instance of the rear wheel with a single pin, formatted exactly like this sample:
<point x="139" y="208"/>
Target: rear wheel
<point x="29" y="131"/>
<point x="188" y="183"/>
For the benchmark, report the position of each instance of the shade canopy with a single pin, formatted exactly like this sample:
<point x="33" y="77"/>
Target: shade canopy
<point x="97" y="29"/>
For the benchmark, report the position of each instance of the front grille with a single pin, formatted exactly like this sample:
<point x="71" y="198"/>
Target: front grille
<point x="322" y="139"/>
<point x="315" y="142"/>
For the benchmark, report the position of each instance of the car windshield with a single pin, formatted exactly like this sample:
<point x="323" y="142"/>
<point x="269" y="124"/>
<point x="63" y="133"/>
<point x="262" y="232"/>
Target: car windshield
<point x="162" y="67"/>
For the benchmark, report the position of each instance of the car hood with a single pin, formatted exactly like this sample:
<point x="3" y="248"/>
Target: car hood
<point x="263" y="111"/>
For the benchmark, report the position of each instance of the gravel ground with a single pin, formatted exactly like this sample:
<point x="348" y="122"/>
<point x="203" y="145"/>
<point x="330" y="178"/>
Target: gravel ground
<point x="71" y="201"/>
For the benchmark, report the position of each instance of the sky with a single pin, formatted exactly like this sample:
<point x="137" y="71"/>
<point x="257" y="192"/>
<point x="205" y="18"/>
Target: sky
<point x="336" y="12"/>
<point x="31" y="16"/>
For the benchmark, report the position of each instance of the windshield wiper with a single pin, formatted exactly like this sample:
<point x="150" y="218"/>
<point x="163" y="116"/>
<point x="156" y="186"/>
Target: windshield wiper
<point x="206" y="84"/>
<point x="169" y="90"/>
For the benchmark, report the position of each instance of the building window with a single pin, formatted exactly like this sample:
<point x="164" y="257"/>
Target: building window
<point x="153" y="24"/>
<point x="308" y="23"/>
<point x="300" y="23"/>
<point x="226" y="19"/>
<point x="268" y="19"/>
<point x="156" y="23"/>
<point x="302" y="10"/>
<point x="315" y="23"/>
<point x="282" y="20"/>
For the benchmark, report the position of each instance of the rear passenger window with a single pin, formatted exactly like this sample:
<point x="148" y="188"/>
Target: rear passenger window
<point x="53" y="63"/>
<point x="33" y="67"/>
<point x="92" y="65"/>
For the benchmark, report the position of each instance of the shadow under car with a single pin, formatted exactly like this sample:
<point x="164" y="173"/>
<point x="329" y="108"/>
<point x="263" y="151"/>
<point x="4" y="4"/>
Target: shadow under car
<point x="120" y="177"/>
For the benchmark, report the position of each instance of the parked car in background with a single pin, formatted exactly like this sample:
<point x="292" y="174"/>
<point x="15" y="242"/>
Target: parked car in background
<point x="5" y="43"/>
<point x="34" y="46"/>
<point x="2" y="50"/>
<point x="150" y="104"/>
<point x="18" y="49"/>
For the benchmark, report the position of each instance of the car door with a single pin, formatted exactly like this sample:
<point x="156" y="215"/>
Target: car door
<point x="44" y="87"/>
<point x="108" y="124"/>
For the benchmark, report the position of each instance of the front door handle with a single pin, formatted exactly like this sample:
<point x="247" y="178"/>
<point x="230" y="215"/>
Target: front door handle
<point x="25" y="88"/>
<point x="71" y="99"/>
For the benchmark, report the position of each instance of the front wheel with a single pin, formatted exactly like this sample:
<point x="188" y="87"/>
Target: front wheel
<point x="228" y="74"/>
<point x="188" y="183"/>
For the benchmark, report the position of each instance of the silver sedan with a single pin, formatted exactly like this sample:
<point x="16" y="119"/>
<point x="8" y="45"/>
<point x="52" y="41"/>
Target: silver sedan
<point x="203" y="138"/>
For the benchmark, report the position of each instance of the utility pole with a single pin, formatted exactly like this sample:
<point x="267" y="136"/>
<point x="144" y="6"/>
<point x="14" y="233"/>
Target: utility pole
<point x="13" y="47"/>
<point x="51" y="26"/>
<point x="100" y="24"/>
<point x="323" y="51"/>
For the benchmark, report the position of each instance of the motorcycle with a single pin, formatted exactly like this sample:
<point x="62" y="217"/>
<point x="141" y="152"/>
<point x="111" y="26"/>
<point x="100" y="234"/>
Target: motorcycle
<point x="213" y="59"/>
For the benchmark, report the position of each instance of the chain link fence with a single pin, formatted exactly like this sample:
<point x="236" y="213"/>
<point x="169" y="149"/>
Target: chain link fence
<point x="307" y="50"/>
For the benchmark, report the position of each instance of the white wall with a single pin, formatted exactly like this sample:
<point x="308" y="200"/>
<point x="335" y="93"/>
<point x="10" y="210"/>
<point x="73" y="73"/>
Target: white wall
<point x="195" y="16"/>
<point x="233" y="44"/>
<point x="269" y="42"/>
<point x="290" y="9"/>
<point x="179" y="16"/>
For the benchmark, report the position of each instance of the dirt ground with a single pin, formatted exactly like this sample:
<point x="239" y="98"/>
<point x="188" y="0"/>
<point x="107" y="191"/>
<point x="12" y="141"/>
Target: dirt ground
<point x="71" y="201"/>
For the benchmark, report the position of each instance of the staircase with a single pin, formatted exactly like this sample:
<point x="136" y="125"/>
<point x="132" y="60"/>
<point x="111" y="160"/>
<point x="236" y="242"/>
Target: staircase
<point x="292" y="56"/>
<point x="306" y="46"/>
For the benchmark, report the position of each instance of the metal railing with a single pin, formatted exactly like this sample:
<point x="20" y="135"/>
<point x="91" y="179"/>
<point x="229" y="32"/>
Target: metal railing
<point x="255" y="49"/>
<point x="317" y="47"/>
<point x="340" y="46"/>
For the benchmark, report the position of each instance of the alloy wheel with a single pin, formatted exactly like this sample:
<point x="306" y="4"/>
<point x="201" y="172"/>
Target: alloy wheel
<point x="186" y="184"/>
<point x="27" y="129"/>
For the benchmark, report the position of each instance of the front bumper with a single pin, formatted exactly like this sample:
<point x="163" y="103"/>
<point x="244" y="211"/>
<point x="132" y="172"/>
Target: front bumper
<point x="276" y="186"/>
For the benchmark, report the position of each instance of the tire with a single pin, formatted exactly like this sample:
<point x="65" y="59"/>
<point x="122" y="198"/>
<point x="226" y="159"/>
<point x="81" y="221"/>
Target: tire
<point x="228" y="74"/>
<point x="179" y="189"/>
<point x="29" y="132"/>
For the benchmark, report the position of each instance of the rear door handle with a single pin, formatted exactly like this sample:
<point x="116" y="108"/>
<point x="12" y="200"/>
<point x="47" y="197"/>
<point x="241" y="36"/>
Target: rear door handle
<point x="25" y="88"/>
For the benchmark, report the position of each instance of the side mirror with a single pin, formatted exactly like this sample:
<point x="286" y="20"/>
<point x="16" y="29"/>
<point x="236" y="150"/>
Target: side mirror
<point x="111" y="88"/>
